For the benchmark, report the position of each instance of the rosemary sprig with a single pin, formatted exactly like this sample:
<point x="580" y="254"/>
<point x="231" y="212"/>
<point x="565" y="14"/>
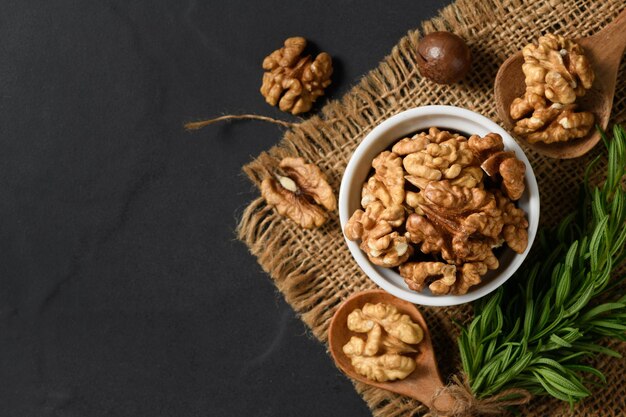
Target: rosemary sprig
<point x="534" y="332"/>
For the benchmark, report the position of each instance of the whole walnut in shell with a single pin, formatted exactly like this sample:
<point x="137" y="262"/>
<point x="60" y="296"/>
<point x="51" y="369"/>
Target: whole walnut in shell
<point x="294" y="81"/>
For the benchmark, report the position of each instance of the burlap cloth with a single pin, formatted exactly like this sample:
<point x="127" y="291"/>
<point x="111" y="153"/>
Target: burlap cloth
<point x="314" y="269"/>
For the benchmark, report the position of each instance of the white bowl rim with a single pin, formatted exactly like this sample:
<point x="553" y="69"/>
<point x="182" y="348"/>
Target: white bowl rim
<point x="371" y="270"/>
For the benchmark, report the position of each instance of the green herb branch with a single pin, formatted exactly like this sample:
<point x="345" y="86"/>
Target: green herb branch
<point x="535" y="332"/>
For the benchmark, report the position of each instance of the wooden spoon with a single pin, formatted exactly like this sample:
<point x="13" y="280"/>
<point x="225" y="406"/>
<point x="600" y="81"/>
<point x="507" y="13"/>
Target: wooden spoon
<point x="604" y="50"/>
<point x="423" y="383"/>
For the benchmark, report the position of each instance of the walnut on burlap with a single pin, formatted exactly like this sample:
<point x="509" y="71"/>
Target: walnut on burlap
<point x="313" y="268"/>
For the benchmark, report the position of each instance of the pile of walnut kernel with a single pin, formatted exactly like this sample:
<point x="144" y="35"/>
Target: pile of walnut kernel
<point x="390" y="334"/>
<point x="437" y="205"/>
<point x="557" y="72"/>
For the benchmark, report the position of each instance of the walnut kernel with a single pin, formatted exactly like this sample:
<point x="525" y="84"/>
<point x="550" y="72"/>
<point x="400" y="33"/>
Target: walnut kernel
<point x="294" y="81"/>
<point x="416" y="275"/>
<point x="303" y="194"/>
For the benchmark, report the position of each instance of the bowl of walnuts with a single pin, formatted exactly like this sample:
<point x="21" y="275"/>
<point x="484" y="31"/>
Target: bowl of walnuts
<point x="439" y="205"/>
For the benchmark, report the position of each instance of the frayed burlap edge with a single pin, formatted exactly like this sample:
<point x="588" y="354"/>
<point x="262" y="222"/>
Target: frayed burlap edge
<point x="314" y="270"/>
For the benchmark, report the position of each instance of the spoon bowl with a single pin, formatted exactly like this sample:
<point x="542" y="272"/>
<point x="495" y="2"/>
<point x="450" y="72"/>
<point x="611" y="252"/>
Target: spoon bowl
<point x="423" y="383"/>
<point x="604" y="51"/>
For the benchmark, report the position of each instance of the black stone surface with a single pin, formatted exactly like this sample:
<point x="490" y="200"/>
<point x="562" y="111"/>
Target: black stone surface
<point x="123" y="291"/>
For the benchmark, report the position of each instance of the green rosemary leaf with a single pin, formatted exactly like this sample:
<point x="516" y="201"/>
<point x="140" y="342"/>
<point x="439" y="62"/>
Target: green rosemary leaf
<point x="477" y="382"/>
<point x="583" y="253"/>
<point x="512" y="333"/>
<point x="549" y="329"/>
<point x="498" y="322"/>
<point x="506" y="358"/>
<point x="464" y="349"/>
<point x="528" y="318"/>
<point x="491" y="348"/>
<point x="519" y="366"/>
<point x="601" y="309"/>
<point x="570" y="334"/>
<point x="474" y="335"/>
<point x="580" y="302"/>
<point x="550" y="362"/>
<point x="620" y="238"/>
<point x="576" y="355"/>
<point x="571" y="387"/>
<point x="596" y="241"/>
<point x="617" y="207"/>
<point x="563" y="284"/>
<point x="529" y="303"/>
<point x="597" y="349"/>
<point x="506" y="355"/>
<point x="545" y="315"/>
<point x="589" y="370"/>
<point x="478" y="358"/>
<point x="602" y="279"/>
<point x="607" y="324"/>
<point x="555" y="392"/>
<point x="491" y="371"/>
<point x="558" y="341"/>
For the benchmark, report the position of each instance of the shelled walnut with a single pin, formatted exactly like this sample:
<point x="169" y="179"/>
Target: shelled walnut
<point x="553" y="124"/>
<point x="387" y="183"/>
<point x="458" y="206"/>
<point x="416" y="273"/>
<point x="557" y="72"/>
<point x="442" y="156"/>
<point x="510" y="169"/>
<point x="515" y="229"/>
<point x="374" y="227"/>
<point x="302" y="194"/>
<point x="294" y="81"/>
<point x="389" y="336"/>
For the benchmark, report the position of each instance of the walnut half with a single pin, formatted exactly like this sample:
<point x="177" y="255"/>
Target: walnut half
<point x="418" y="274"/>
<point x="303" y="194"/>
<point x="374" y="227"/>
<point x="294" y="81"/>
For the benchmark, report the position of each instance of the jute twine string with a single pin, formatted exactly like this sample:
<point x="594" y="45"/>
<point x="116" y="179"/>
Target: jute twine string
<point x="467" y="405"/>
<point x="229" y="117"/>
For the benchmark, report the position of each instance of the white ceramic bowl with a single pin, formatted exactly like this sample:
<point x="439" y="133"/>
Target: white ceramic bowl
<point x="394" y="129"/>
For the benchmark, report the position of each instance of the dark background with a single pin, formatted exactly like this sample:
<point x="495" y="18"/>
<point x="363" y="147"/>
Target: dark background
<point x="123" y="291"/>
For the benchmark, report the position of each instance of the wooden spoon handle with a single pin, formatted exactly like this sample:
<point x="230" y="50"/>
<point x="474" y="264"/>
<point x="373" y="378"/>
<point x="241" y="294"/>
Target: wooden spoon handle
<point x="605" y="50"/>
<point x="610" y="42"/>
<point x="429" y="386"/>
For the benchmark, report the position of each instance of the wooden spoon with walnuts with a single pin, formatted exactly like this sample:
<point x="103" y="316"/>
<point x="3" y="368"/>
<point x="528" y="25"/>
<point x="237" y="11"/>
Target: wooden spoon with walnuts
<point x="604" y="51"/>
<point x="423" y="383"/>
